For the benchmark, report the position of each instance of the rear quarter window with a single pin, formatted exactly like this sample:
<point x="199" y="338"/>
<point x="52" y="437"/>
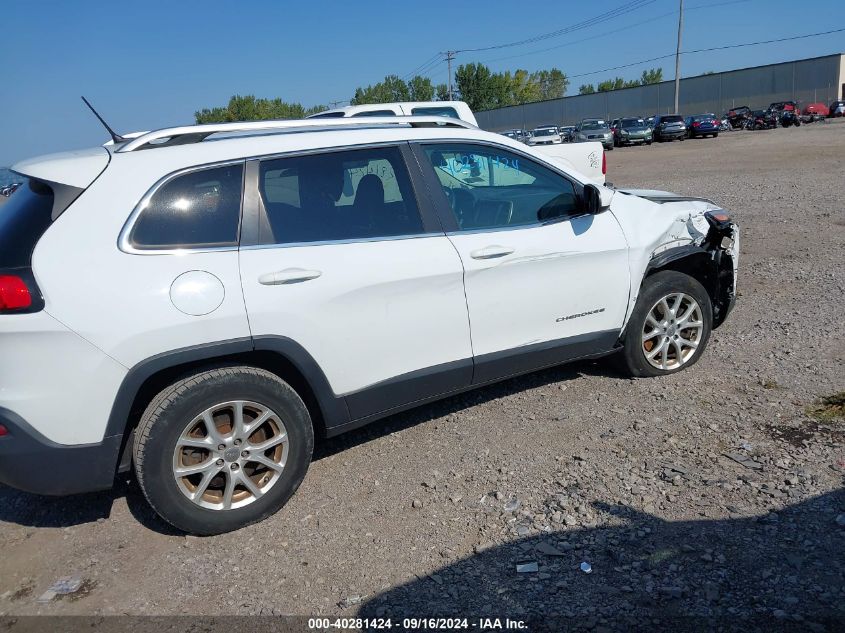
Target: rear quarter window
<point x="200" y="209"/>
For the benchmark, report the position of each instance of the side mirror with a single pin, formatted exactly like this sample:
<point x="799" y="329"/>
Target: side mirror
<point x="593" y="203"/>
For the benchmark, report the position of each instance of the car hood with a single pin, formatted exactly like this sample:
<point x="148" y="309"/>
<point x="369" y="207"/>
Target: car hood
<point x="661" y="219"/>
<point x="635" y="130"/>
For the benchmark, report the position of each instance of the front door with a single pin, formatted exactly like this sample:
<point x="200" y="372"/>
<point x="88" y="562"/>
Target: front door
<point x="544" y="282"/>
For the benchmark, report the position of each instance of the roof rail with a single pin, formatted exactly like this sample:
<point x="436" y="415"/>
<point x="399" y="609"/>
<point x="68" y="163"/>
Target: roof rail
<point x="167" y="137"/>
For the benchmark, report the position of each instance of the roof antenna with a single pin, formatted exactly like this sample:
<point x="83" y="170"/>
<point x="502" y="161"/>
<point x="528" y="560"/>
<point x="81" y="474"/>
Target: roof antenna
<point x="117" y="138"/>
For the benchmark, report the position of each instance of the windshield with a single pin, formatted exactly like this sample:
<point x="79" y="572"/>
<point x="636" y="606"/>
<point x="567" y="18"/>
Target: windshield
<point x="548" y="131"/>
<point x="632" y="123"/>
<point x="672" y="119"/>
<point x="594" y="125"/>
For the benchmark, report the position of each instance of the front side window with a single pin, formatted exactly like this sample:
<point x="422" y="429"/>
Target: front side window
<point x="345" y="195"/>
<point x="200" y="209"/>
<point x="489" y="187"/>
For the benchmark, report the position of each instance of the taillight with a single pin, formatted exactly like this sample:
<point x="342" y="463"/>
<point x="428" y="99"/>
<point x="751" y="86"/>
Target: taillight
<point x="3" y="430"/>
<point x="696" y="124"/>
<point x="604" y="163"/>
<point x="14" y="293"/>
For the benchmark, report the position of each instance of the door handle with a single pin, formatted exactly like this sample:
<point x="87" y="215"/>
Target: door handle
<point x="288" y="276"/>
<point x="491" y="252"/>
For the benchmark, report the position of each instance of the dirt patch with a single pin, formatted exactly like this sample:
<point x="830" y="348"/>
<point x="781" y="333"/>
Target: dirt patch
<point x="23" y="592"/>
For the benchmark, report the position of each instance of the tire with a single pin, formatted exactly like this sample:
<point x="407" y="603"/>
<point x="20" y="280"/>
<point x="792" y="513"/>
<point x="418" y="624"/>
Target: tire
<point x="662" y="285"/>
<point x="681" y="138"/>
<point x="176" y="415"/>
<point x="716" y="135"/>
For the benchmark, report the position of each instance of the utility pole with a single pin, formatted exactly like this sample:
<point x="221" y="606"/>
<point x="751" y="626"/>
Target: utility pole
<point x="678" y="56"/>
<point x="450" y="55"/>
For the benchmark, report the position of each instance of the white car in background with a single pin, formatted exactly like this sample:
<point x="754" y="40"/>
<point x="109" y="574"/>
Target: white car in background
<point x="199" y="303"/>
<point x="588" y="159"/>
<point x="452" y="109"/>
<point x="545" y="135"/>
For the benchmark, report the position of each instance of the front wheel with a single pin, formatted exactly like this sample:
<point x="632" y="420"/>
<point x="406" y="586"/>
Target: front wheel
<point x="669" y="327"/>
<point x="223" y="448"/>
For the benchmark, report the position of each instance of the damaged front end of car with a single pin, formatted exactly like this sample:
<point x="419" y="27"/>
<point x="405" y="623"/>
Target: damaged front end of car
<point x="690" y="235"/>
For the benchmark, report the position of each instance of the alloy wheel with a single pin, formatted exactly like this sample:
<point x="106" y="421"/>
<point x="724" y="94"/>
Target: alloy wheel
<point x="230" y="455"/>
<point x="672" y="331"/>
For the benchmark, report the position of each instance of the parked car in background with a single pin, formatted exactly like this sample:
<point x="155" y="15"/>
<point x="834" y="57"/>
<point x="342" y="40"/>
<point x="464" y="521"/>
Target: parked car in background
<point x="736" y="116"/>
<point x="702" y="125"/>
<point x="632" y="131"/>
<point x="594" y="130"/>
<point x="567" y="133"/>
<point x="545" y="135"/>
<point x="761" y="120"/>
<point x="451" y="109"/>
<point x="669" y="127"/>
<point x="8" y="190"/>
<point x="836" y="109"/>
<point x="816" y="111"/>
<point x="785" y="106"/>
<point x="517" y="135"/>
<point x="788" y="118"/>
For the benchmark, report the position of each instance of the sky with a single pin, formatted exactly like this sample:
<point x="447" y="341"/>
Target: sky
<point x="152" y="64"/>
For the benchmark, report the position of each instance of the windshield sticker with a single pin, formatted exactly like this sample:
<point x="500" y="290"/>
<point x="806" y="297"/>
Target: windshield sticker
<point x="471" y="164"/>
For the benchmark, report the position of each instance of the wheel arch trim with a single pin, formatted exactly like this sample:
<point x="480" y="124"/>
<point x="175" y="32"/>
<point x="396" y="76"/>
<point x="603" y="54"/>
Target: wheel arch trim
<point x="332" y="407"/>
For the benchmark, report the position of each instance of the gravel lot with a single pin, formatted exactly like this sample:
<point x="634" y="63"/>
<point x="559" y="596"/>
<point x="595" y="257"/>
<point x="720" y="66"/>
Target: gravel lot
<point x="429" y="512"/>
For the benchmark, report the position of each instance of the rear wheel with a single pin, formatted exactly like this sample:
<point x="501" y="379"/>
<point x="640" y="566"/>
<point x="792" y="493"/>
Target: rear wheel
<point x="222" y="449"/>
<point x="669" y="327"/>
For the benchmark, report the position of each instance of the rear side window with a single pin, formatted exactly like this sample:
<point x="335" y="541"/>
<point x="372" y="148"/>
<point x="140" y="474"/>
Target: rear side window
<point x="349" y="195"/>
<point x="375" y="113"/>
<point x="24" y="217"/>
<point x="200" y="209"/>
<point x="327" y="115"/>
<point x="435" y="111"/>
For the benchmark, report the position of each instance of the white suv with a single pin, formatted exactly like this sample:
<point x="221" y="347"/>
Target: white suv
<point x="199" y="303"/>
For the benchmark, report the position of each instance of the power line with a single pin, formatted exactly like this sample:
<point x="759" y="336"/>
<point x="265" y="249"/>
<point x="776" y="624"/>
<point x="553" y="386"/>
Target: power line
<point x="614" y="31"/>
<point x="434" y="58"/>
<point x="621" y="10"/>
<point x="782" y="39"/>
<point x="705" y="50"/>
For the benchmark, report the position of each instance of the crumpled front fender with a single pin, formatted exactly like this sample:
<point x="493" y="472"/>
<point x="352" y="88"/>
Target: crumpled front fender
<point x="665" y="230"/>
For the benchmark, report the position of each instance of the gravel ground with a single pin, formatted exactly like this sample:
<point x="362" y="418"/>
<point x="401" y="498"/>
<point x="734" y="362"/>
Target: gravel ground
<point x="711" y="493"/>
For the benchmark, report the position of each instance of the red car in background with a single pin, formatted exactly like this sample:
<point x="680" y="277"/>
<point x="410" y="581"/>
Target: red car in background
<point x="817" y="111"/>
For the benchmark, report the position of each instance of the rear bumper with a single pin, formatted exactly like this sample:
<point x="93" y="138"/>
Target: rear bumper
<point x="31" y="462"/>
<point x="672" y="134"/>
<point x="701" y="132"/>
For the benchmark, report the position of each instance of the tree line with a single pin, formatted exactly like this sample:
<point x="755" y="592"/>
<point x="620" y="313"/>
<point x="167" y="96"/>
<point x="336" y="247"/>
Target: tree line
<point x="651" y="76"/>
<point x="481" y="88"/>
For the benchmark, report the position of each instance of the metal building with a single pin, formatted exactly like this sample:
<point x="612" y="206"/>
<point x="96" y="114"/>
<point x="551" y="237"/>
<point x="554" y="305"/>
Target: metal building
<point x="819" y="79"/>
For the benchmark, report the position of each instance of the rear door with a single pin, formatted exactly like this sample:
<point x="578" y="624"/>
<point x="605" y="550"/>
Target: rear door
<point x="353" y="266"/>
<point x="544" y="282"/>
